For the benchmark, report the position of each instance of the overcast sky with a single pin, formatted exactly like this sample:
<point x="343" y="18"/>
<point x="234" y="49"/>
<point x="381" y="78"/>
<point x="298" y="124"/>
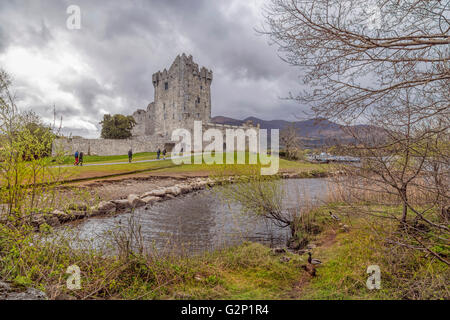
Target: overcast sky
<point x="106" y="66"/>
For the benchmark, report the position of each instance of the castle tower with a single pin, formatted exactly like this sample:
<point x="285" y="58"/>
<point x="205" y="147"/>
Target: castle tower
<point x="182" y="96"/>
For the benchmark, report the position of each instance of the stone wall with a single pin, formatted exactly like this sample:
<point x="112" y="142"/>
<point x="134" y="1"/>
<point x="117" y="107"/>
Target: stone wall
<point x="106" y="147"/>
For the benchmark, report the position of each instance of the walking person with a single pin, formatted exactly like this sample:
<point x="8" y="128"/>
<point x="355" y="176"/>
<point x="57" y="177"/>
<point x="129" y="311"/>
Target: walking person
<point x="158" y="154"/>
<point x="81" y="158"/>
<point x="76" y="158"/>
<point x="164" y="154"/>
<point x="130" y="155"/>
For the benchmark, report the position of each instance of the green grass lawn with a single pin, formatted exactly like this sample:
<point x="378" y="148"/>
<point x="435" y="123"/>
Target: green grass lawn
<point x="118" y="165"/>
<point x="106" y="159"/>
<point x="168" y="166"/>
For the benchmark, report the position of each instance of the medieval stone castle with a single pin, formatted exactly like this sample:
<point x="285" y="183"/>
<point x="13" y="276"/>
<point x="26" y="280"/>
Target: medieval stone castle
<point x="182" y="96"/>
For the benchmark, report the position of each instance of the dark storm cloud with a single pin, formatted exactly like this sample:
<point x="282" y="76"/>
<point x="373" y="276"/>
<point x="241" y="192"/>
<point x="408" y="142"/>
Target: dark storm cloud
<point x="85" y="89"/>
<point x="110" y="61"/>
<point x="3" y="40"/>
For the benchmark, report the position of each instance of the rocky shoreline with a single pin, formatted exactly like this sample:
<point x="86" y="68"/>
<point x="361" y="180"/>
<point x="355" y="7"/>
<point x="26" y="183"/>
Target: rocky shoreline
<point x="77" y="212"/>
<point x="116" y="206"/>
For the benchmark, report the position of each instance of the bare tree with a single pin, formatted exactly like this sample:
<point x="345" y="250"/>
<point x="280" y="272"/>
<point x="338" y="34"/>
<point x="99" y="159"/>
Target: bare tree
<point x="402" y="164"/>
<point x="290" y="140"/>
<point x="354" y="67"/>
<point x="395" y="76"/>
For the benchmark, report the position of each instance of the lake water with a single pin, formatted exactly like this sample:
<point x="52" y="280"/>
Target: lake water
<point x="204" y="220"/>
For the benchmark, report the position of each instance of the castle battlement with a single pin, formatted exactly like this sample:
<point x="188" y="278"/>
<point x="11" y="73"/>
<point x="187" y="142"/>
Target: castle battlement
<point x="182" y="96"/>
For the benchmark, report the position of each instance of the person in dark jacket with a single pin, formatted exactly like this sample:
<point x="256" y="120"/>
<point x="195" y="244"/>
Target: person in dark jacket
<point x="81" y="158"/>
<point x="158" y="154"/>
<point x="130" y="155"/>
<point x="164" y="154"/>
<point x="76" y="158"/>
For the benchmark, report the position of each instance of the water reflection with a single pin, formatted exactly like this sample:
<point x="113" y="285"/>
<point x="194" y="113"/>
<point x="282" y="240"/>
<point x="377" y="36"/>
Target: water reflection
<point x="204" y="221"/>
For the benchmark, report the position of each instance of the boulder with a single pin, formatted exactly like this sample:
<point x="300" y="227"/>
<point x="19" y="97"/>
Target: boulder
<point x="175" y="191"/>
<point x="61" y="216"/>
<point x="77" y="207"/>
<point x="37" y="219"/>
<point x="71" y="216"/>
<point x="194" y="186"/>
<point x="154" y="193"/>
<point x="78" y="215"/>
<point x="29" y="294"/>
<point x="203" y="184"/>
<point x="4" y="287"/>
<point x="106" y="207"/>
<point x="185" y="188"/>
<point x="52" y="220"/>
<point x="122" y="204"/>
<point x="151" y="199"/>
<point x="135" y="201"/>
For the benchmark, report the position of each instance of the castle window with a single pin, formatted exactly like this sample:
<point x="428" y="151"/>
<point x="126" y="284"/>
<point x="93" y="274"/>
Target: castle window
<point x="166" y="86"/>
<point x="198" y="115"/>
<point x="201" y="87"/>
<point x="173" y="116"/>
<point x="198" y="100"/>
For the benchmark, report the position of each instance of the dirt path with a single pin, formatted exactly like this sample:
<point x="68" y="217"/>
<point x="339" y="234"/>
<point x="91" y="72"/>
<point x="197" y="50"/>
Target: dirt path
<point x="326" y="241"/>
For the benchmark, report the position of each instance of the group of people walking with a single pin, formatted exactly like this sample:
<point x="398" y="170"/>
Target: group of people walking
<point x="158" y="154"/>
<point x="79" y="156"/>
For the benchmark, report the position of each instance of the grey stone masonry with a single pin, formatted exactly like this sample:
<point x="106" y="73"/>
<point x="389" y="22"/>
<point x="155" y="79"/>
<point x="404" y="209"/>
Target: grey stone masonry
<point x="182" y="95"/>
<point x="107" y="147"/>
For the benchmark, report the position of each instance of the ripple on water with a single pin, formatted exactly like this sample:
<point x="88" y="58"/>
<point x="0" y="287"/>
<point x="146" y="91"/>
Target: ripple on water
<point x="203" y="221"/>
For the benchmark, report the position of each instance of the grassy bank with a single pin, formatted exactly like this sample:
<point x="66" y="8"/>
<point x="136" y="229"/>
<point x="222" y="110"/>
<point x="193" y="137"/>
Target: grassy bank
<point x="105" y="159"/>
<point x="405" y="273"/>
<point x="248" y="271"/>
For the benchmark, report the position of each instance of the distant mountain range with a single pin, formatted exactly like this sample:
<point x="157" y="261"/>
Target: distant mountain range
<point x="313" y="132"/>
